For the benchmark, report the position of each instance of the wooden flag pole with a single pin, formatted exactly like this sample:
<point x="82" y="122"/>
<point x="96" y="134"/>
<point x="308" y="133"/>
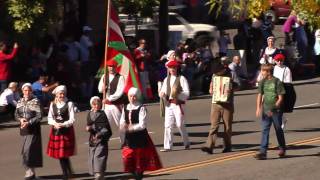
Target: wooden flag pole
<point x="106" y="49"/>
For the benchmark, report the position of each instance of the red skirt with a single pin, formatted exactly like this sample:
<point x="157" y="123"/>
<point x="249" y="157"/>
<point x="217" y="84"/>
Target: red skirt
<point x="141" y="159"/>
<point x="63" y="145"/>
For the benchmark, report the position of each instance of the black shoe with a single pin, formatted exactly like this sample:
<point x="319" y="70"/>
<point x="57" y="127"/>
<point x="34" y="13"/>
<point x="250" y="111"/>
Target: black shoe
<point x="207" y="150"/>
<point x="260" y="156"/>
<point x="226" y="150"/>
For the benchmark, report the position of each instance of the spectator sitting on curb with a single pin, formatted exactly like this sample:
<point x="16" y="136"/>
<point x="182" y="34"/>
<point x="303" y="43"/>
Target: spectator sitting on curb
<point x="8" y="99"/>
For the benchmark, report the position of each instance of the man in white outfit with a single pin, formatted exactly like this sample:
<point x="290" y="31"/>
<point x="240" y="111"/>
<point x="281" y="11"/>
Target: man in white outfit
<point x="175" y="91"/>
<point x="115" y="98"/>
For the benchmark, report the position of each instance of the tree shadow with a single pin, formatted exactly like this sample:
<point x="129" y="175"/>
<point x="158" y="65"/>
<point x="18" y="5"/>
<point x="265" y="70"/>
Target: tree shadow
<point x="220" y="134"/>
<point x="310" y="107"/>
<point x="305" y="130"/>
<point x="197" y="124"/>
<point x="181" y="144"/>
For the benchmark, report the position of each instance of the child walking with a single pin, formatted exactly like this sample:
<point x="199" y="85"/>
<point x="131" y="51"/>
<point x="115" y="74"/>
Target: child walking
<point x="99" y="128"/>
<point x="269" y="101"/>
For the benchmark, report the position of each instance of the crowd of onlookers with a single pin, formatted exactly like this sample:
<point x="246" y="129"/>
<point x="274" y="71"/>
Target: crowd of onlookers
<point x="74" y="61"/>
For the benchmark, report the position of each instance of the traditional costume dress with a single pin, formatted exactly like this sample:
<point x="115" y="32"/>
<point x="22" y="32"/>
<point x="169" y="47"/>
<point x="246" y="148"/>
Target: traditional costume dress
<point x="30" y="110"/>
<point x="115" y="97"/>
<point x="62" y="141"/>
<point x="176" y="90"/>
<point x="138" y="153"/>
<point x="100" y="132"/>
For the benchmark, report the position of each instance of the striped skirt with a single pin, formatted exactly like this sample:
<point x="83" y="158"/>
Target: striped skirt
<point x="62" y="145"/>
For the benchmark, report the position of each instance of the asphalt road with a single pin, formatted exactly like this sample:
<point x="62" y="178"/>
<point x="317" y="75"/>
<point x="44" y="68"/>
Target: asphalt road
<point x="302" y="135"/>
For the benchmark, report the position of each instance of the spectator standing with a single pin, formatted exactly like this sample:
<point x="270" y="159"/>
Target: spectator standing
<point x="61" y="143"/>
<point x="139" y="153"/>
<point x="28" y="113"/>
<point x="223" y="43"/>
<point x="269" y="101"/>
<point x="220" y="110"/>
<point x="5" y="64"/>
<point x="100" y="132"/>
<point x="317" y="50"/>
<point x="142" y="58"/>
<point x="287" y="27"/>
<point x="9" y="98"/>
<point x="302" y="40"/>
<point x="87" y="64"/>
<point x="174" y="91"/>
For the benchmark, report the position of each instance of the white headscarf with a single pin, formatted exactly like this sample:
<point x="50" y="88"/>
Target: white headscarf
<point x="134" y="92"/>
<point x="60" y="88"/>
<point x="94" y="98"/>
<point x="26" y="85"/>
<point x="169" y="54"/>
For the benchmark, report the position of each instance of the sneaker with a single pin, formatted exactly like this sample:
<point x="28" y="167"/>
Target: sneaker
<point x="207" y="150"/>
<point x="282" y="153"/>
<point x="260" y="156"/>
<point x="165" y="150"/>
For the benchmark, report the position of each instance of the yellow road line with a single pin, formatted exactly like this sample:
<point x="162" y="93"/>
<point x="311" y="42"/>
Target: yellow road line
<point x="222" y="159"/>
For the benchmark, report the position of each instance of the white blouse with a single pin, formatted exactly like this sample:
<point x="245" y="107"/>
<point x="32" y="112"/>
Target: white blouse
<point x="283" y="73"/>
<point x="68" y="123"/>
<point x="142" y="118"/>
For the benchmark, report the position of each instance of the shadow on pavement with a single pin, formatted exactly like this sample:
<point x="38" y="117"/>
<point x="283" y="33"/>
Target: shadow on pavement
<point x="220" y="134"/>
<point x="305" y="130"/>
<point x="310" y="107"/>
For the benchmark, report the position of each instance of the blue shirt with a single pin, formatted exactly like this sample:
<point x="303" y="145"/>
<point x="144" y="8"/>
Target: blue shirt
<point x="37" y="90"/>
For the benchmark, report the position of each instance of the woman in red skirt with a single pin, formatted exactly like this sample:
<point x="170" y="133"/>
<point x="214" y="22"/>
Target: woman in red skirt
<point x="62" y="139"/>
<point x="138" y="152"/>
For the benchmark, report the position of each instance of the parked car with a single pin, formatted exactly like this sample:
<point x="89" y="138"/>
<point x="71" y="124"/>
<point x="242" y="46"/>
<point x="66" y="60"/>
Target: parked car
<point x="279" y="9"/>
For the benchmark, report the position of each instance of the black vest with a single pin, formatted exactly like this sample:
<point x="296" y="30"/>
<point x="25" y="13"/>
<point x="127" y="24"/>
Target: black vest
<point x="60" y="115"/>
<point x="136" y="139"/>
<point x="113" y="88"/>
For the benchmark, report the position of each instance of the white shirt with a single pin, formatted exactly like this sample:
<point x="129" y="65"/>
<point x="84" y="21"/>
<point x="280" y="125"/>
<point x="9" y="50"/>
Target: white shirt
<point x="8" y="97"/>
<point x="184" y="95"/>
<point x="283" y="73"/>
<point x="71" y="119"/>
<point x="142" y="118"/>
<point x="119" y="90"/>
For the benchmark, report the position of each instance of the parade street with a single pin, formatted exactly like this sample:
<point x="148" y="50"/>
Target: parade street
<point x="302" y="136"/>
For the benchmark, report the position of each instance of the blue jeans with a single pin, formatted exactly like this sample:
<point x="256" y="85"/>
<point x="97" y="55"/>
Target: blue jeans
<point x="266" y="122"/>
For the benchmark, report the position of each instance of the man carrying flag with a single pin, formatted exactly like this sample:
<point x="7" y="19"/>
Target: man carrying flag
<point x="117" y="72"/>
<point x="112" y="85"/>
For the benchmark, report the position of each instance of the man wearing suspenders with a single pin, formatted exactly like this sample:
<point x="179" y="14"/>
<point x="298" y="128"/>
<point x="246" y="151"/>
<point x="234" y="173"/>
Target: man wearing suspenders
<point x="174" y="91"/>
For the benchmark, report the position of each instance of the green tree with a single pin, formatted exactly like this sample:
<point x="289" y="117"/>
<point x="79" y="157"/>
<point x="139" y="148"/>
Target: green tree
<point x="308" y="9"/>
